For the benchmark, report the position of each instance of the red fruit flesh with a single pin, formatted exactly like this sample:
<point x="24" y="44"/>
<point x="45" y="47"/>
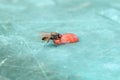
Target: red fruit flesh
<point x="67" y="38"/>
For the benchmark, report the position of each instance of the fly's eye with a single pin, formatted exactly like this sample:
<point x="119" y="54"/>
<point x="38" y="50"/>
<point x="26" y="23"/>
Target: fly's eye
<point x="59" y="35"/>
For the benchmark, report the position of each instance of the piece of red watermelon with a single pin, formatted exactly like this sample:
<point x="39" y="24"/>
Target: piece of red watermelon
<point x="67" y="38"/>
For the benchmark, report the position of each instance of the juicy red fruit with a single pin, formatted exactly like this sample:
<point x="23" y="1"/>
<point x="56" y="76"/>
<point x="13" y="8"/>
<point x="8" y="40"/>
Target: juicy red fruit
<point x="67" y="38"/>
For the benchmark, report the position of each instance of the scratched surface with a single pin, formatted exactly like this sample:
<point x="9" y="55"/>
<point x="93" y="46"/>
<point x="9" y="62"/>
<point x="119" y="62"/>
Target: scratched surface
<point x="24" y="57"/>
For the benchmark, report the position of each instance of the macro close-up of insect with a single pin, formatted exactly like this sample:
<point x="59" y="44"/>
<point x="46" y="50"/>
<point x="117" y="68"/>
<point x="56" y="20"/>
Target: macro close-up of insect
<point x="47" y="36"/>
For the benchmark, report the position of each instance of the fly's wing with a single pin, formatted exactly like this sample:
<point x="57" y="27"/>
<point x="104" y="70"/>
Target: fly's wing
<point x="45" y="36"/>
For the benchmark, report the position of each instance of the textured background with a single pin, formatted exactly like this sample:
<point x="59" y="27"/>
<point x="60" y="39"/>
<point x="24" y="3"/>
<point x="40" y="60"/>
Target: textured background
<point x="24" y="57"/>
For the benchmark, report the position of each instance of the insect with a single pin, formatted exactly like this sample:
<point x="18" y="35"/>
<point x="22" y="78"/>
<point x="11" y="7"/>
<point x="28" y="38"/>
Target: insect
<point x="47" y="36"/>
